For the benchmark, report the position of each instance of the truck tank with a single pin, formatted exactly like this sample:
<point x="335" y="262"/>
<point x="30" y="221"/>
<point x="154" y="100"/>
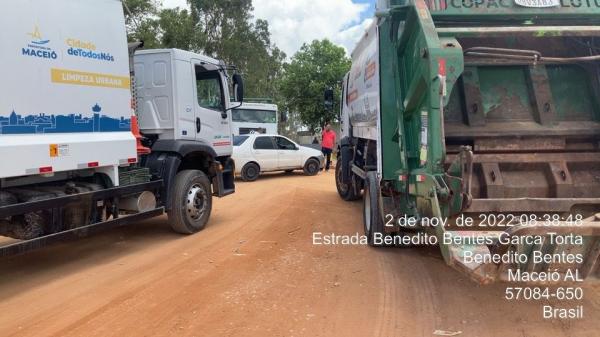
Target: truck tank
<point x="362" y="91"/>
<point x="65" y="109"/>
<point x="65" y="98"/>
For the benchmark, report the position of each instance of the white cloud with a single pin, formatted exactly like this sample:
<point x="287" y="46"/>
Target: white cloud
<point x="350" y="36"/>
<point x="294" y="22"/>
<point x="174" y="3"/>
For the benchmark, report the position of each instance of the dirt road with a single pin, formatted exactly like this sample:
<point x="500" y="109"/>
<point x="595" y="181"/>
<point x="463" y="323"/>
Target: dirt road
<point x="255" y="272"/>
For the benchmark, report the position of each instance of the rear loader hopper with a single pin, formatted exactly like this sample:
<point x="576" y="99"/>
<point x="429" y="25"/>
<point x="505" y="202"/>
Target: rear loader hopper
<point x="488" y="112"/>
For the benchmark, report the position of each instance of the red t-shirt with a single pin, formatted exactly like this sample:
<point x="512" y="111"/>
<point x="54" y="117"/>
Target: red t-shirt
<point x="328" y="139"/>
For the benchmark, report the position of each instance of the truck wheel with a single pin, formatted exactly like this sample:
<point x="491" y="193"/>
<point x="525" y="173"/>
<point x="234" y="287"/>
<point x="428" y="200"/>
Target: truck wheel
<point x="348" y="192"/>
<point x="192" y="202"/>
<point x="312" y="167"/>
<point x="372" y="209"/>
<point x="250" y="172"/>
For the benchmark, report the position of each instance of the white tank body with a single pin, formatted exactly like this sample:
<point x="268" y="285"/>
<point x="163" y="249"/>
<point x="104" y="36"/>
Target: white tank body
<point x="65" y="98"/>
<point x="361" y="101"/>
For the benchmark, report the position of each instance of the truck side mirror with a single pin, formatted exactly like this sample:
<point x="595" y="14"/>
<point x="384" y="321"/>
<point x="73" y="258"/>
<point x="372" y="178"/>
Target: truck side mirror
<point x="329" y="99"/>
<point x="238" y="87"/>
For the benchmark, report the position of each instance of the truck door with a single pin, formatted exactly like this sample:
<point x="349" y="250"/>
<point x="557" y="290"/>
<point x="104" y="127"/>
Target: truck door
<point x="210" y="107"/>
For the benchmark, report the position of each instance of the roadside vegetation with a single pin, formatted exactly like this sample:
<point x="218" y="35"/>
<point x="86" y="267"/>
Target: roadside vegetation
<point x="226" y="29"/>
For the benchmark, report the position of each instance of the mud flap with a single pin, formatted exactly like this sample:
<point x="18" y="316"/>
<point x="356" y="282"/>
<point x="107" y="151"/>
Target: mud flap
<point x="223" y="183"/>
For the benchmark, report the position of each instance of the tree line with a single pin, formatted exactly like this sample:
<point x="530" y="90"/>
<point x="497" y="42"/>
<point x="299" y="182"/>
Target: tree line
<point x="227" y="30"/>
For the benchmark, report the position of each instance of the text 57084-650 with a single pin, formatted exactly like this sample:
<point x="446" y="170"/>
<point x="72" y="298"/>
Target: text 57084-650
<point x="543" y="293"/>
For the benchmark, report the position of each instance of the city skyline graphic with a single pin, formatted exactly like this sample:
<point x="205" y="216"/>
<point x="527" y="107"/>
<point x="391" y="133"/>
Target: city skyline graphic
<point x="43" y="123"/>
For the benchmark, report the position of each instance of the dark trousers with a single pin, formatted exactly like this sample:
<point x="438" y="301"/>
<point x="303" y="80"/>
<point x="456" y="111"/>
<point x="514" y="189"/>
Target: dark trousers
<point x="327" y="152"/>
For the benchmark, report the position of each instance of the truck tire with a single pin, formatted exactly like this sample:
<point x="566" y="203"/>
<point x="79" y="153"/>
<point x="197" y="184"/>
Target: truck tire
<point x="250" y="172"/>
<point x="372" y="209"/>
<point x="348" y="192"/>
<point x="312" y="167"/>
<point x="192" y="202"/>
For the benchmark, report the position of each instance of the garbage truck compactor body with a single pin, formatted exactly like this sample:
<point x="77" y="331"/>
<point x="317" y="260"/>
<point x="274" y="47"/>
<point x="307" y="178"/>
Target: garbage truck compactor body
<point x="482" y="110"/>
<point x="72" y="159"/>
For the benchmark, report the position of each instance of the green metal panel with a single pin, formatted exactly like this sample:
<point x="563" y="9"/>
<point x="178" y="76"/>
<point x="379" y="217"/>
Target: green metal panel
<point x="418" y="94"/>
<point x="504" y="93"/>
<point x="393" y="144"/>
<point x="565" y="80"/>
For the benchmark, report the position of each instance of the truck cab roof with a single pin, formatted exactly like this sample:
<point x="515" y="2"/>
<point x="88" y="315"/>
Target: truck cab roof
<point x="184" y="55"/>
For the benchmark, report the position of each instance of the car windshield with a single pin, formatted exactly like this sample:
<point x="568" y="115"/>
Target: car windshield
<point x="254" y="116"/>
<point x="239" y="140"/>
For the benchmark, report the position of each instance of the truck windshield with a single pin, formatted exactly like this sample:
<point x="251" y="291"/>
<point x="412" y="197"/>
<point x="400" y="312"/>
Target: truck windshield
<point x="239" y="140"/>
<point x="254" y="116"/>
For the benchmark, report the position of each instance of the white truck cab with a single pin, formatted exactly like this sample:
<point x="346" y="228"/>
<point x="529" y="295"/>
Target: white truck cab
<point x="183" y="96"/>
<point x="254" y="118"/>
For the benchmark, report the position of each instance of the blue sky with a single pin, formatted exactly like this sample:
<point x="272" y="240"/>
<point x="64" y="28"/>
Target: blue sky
<point x="371" y="11"/>
<point x="294" y="22"/>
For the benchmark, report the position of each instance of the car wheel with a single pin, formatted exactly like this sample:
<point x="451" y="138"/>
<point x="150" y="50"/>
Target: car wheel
<point x="312" y="167"/>
<point x="191" y="203"/>
<point x="250" y="172"/>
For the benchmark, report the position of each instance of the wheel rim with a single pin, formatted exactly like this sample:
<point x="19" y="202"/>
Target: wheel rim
<point x="338" y="176"/>
<point x="251" y="172"/>
<point x="312" y="167"/>
<point x="196" y="202"/>
<point x="367" y="215"/>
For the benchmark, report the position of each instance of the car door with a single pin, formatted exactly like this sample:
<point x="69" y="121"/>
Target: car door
<point x="288" y="153"/>
<point x="265" y="153"/>
<point x="212" y="122"/>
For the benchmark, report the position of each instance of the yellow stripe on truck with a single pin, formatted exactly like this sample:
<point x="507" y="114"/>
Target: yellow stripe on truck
<point x="89" y="79"/>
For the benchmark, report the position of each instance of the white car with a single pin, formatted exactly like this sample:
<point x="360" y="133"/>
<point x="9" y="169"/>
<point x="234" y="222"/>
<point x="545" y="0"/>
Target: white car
<point x="256" y="153"/>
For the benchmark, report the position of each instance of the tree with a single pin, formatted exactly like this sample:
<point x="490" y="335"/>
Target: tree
<point x="313" y="69"/>
<point x="138" y="10"/>
<point x="177" y="29"/>
<point x="226" y="31"/>
<point x="140" y="22"/>
<point x="223" y="29"/>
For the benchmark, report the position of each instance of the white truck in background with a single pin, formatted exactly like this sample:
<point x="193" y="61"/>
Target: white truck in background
<point x="255" y="117"/>
<point x="70" y="163"/>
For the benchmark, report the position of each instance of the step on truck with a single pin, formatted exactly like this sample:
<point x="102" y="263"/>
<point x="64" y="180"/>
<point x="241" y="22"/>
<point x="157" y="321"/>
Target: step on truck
<point x="483" y="110"/>
<point x="95" y="133"/>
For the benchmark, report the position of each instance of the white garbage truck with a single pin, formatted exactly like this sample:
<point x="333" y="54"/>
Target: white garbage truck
<point x="475" y="126"/>
<point x="255" y="117"/>
<point x="72" y="157"/>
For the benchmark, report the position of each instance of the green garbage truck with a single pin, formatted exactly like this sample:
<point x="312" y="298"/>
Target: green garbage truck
<point x="474" y="125"/>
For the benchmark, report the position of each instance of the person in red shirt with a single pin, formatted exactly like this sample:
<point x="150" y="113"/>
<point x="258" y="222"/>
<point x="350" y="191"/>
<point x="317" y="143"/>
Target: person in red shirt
<point x="327" y="144"/>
